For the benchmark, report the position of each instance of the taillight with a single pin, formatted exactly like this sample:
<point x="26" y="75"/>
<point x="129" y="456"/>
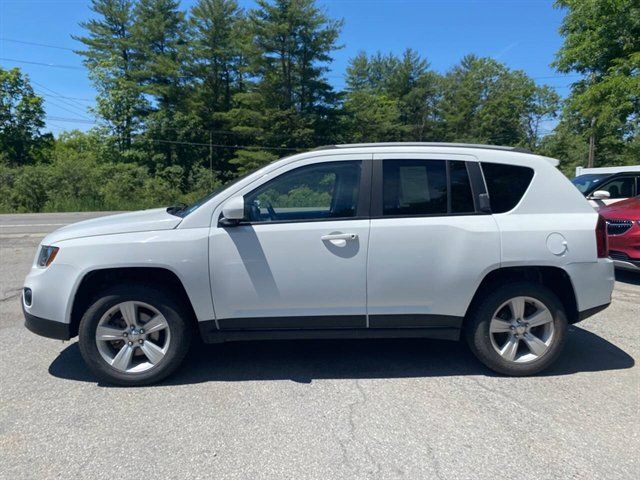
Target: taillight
<point x="602" y="242"/>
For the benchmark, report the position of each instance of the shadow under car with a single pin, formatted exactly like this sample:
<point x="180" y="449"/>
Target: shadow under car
<point x="306" y="360"/>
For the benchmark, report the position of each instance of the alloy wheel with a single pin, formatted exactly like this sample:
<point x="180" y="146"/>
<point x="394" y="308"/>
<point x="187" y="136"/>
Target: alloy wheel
<point x="522" y="329"/>
<point x="133" y="337"/>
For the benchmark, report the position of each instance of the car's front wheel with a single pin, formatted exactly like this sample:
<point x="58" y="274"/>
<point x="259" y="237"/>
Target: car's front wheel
<point x="519" y="329"/>
<point x="134" y="335"/>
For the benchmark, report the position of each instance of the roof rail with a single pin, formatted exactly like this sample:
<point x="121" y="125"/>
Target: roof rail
<point x="425" y="144"/>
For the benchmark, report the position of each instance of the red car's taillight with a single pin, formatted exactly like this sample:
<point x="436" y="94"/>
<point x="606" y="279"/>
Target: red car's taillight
<point x="602" y="242"/>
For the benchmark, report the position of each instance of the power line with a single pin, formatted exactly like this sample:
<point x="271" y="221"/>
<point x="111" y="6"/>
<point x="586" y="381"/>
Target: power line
<point x="35" y="44"/>
<point x="557" y="76"/>
<point x="41" y="64"/>
<point x="58" y="94"/>
<point x="75" y="67"/>
<point x="72" y="120"/>
<point x="220" y="145"/>
<point x="164" y="127"/>
<point x="68" y="110"/>
<point x="179" y="142"/>
<point x="65" y="97"/>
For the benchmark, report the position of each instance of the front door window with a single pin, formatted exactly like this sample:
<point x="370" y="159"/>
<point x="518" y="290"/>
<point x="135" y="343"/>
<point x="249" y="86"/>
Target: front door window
<point x="321" y="191"/>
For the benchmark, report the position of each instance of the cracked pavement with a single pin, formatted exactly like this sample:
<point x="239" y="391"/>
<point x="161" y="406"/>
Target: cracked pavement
<point x="386" y="409"/>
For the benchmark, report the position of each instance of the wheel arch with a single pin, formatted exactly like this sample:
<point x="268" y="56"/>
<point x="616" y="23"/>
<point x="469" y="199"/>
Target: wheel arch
<point x="95" y="281"/>
<point x="555" y="279"/>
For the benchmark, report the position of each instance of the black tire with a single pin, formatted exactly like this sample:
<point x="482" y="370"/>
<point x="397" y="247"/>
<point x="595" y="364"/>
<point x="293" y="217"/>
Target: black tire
<point x="175" y="313"/>
<point x="478" y="335"/>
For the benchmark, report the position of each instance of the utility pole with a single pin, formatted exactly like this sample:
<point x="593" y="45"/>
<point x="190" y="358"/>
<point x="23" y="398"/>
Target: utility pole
<point x="211" y="158"/>
<point x="592" y="143"/>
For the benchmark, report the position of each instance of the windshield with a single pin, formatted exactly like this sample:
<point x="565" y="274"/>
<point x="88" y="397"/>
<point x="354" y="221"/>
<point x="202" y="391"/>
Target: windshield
<point x="186" y="211"/>
<point x="585" y="183"/>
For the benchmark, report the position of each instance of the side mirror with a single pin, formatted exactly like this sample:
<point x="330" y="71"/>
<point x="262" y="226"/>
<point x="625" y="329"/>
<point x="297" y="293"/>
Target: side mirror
<point x="600" y="195"/>
<point x="232" y="211"/>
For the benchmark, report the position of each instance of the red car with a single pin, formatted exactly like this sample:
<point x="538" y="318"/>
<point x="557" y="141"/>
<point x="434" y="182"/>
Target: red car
<point x="623" y="229"/>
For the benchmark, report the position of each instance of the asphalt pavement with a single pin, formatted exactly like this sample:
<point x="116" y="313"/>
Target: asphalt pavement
<point x="413" y="409"/>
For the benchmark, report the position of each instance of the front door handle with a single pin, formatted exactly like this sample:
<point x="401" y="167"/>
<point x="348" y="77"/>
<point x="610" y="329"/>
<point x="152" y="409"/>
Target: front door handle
<point x="339" y="236"/>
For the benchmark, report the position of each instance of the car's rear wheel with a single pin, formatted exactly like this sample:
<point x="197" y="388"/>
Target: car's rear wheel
<point x="519" y="329"/>
<point x="134" y="335"/>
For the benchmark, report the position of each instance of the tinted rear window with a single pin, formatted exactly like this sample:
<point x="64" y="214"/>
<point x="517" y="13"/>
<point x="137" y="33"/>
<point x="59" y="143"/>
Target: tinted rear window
<point x="506" y="184"/>
<point x="414" y="187"/>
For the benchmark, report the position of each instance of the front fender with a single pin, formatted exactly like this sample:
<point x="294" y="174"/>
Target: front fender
<point x="184" y="252"/>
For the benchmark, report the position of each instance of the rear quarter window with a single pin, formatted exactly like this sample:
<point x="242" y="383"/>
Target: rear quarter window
<point x="506" y="184"/>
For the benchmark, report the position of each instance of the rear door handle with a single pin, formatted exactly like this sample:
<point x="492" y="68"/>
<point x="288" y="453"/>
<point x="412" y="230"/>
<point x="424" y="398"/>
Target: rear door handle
<point x="339" y="236"/>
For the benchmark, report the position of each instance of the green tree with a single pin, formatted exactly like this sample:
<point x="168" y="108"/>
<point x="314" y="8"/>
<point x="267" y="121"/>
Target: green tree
<point x="565" y="145"/>
<point x="159" y="33"/>
<point x="159" y="36"/>
<point x="109" y="57"/>
<point x="372" y="117"/>
<point x="216" y="56"/>
<point x="485" y="102"/>
<point x="405" y="80"/>
<point x="21" y="118"/>
<point x="247" y="119"/>
<point x="218" y="67"/>
<point x="293" y="41"/>
<point x="289" y="56"/>
<point x="418" y="90"/>
<point x="602" y="42"/>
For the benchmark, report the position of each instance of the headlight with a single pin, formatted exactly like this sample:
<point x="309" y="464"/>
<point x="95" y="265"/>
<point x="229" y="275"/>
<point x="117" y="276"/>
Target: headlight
<point x="47" y="254"/>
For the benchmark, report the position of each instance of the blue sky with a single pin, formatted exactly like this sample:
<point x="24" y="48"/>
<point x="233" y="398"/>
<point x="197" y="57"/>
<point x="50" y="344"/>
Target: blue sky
<point x="521" y="33"/>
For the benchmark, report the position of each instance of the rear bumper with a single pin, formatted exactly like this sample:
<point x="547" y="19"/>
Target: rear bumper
<point x="592" y="283"/>
<point x="46" y="328"/>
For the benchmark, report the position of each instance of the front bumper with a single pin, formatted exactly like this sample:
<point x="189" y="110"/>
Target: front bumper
<point x="592" y="311"/>
<point x="625" y="249"/>
<point x="624" y="265"/>
<point x="46" y="328"/>
<point x="52" y="291"/>
<point x="623" y="261"/>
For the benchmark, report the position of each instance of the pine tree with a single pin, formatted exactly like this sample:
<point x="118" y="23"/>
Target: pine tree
<point x="160" y="41"/>
<point x="159" y="37"/>
<point x="216" y="57"/>
<point x="292" y="46"/>
<point x="217" y="65"/>
<point x="109" y="59"/>
<point x="407" y="95"/>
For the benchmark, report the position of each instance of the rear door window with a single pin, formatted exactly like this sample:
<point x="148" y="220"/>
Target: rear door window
<point x="506" y="184"/>
<point x="426" y="187"/>
<point x="414" y="187"/>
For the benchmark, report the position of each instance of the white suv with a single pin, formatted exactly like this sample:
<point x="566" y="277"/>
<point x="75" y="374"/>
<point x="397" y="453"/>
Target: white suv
<point x="353" y="241"/>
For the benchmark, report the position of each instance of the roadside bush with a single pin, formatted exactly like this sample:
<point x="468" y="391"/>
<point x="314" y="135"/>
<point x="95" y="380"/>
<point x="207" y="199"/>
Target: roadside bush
<point x="201" y="182"/>
<point x="124" y="186"/>
<point x="73" y="183"/>
<point x="163" y="188"/>
<point x="76" y="181"/>
<point x="29" y="189"/>
<point x="7" y="175"/>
